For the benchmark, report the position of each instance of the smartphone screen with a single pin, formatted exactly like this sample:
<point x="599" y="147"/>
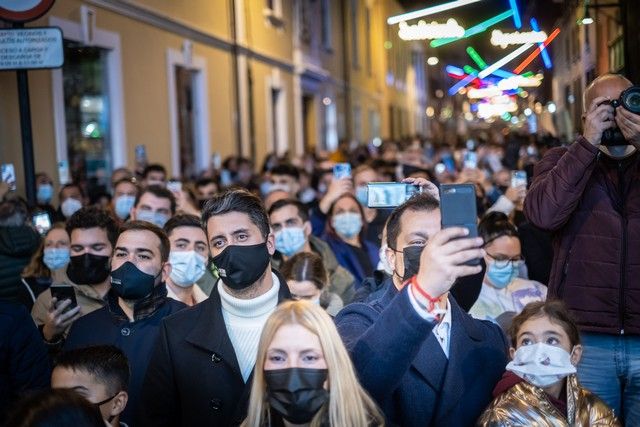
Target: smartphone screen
<point x="341" y="170"/>
<point x="174" y="186"/>
<point x="389" y="194"/>
<point x="63" y="172"/>
<point x="42" y="222"/>
<point x="8" y="173"/>
<point x="518" y="178"/>
<point x="470" y="160"/>
<point x="141" y="154"/>
<point x="458" y="209"/>
<point x="63" y="292"/>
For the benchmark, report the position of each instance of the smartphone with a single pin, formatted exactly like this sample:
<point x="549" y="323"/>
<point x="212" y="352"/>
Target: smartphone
<point x="63" y="172"/>
<point x="216" y="161"/>
<point x="174" y="186"/>
<point x="8" y="173"/>
<point x="341" y="170"/>
<point x="141" y="154"/>
<point x="449" y="162"/>
<point x="458" y="209"/>
<point x="440" y="168"/>
<point x="389" y="194"/>
<point x="518" y="178"/>
<point x="62" y="292"/>
<point x="470" y="160"/>
<point x="42" y="222"/>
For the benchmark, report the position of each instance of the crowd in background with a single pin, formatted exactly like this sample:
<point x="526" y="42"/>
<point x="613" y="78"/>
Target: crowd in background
<point x="272" y="294"/>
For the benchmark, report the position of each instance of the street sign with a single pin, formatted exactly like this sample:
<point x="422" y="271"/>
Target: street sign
<point x="31" y="48"/>
<point x="23" y="10"/>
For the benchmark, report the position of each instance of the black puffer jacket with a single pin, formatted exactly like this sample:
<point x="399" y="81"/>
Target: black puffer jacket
<point x="17" y="245"/>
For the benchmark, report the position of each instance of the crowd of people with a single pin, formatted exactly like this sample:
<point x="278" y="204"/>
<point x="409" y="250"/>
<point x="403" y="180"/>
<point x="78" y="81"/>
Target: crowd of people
<point x="281" y="297"/>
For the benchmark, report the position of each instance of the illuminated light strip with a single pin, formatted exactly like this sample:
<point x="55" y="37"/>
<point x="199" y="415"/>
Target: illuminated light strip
<point x="429" y="11"/>
<point x="476" y="58"/>
<point x="510" y="57"/>
<point x="454" y="70"/>
<point x="528" y="74"/>
<point x="516" y="15"/>
<point x="476" y="29"/>
<point x="474" y="79"/>
<point x="543" y="52"/>
<point x="536" y="52"/>
<point x="462" y="83"/>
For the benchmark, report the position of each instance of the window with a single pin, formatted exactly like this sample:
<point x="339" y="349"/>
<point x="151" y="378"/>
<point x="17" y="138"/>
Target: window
<point x="273" y="12"/>
<point x="354" y="34"/>
<point x="275" y="100"/>
<point x="357" y="123"/>
<point x="367" y="39"/>
<point x="326" y="24"/>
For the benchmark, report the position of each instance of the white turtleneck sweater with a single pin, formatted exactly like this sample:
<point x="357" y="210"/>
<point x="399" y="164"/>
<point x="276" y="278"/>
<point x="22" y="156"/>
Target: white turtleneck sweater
<point x="244" y="320"/>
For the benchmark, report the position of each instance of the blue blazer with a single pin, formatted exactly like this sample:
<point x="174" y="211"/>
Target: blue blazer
<point x="348" y="260"/>
<point x="401" y="364"/>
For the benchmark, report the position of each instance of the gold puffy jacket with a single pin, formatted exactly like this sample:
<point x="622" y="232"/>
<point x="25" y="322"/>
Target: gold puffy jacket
<point x="527" y="405"/>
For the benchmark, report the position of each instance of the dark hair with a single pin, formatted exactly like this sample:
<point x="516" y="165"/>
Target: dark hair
<point x="306" y="266"/>
<point x="494" y="225"/>
<point x="154" y="167"/>
<point x="329" y="225"/>
<point x="237" y="200"/>
<point x="303" y="212"/>
<point x="55" y="408"/>
<point x="555" y="310"/>
<point x="128" y="181"/>
<point x="420" y="202"/>
<point x="159" y="192"/>
<point x="205" y="181"/>
<point x="184" y="220"/>
<point x="71" y="185"/>
<point x="13" y="212"/>
<point x="90" y="217"/>
<point x="106" y="363"/>
<point x="165" y="246"/>
<point x="286" y="169"/>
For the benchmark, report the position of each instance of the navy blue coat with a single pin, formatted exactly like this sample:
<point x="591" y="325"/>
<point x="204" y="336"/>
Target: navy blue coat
<point x="401" y="364"/>
<point x="136" y="339"/>
<point x="24" y="360"/>
<point x="347" y="258"/>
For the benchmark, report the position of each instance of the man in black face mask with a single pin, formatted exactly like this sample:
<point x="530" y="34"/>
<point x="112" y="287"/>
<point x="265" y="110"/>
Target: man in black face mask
<point x="200" y="373"/>
<point x="415" y="343"/>
<point x="136" y="303"/>
<point x="93" y="233"/>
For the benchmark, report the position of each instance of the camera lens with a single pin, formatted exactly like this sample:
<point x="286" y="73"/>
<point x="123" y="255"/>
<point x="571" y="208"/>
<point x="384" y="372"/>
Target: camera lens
<point x="631" y="99"/>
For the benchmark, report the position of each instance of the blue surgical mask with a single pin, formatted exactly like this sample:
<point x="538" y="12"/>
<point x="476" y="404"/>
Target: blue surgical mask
<point x="156" y="218"/>
<point x="347" y="224"/>
<point x="290" y="240"/>
<point x="362" y="194"/>
<point x="501" y="277"/>
<point x="45" y="193"/>
<point x="124" y="204"/>
<point x="56" y="258"/>
<point x="187" y="267"/>
<point x="70" y="206"/>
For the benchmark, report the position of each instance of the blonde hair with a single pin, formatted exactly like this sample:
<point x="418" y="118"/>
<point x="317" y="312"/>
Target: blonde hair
<point x="348" y="405"/>
<point x="36" y="266"/>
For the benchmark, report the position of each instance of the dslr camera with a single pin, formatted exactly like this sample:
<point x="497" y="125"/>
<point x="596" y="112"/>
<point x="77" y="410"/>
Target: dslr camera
<point x="630" y="100"/>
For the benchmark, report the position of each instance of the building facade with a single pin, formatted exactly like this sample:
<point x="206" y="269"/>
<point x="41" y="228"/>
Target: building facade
<point x="178" y="81"/>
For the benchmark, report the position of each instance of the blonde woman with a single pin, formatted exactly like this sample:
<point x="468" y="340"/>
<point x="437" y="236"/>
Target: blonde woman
<point x="304" y="375"/>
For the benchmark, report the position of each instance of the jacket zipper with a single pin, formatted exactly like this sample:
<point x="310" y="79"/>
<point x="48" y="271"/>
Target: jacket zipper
<point x="623" y="252"/>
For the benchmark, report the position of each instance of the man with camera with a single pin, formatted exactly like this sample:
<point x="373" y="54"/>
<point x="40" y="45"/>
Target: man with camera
<point x="588" y="195"/>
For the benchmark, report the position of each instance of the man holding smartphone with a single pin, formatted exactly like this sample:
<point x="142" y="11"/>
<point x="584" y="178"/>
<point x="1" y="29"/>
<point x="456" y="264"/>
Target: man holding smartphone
<point x="431" y="350"/>
<point x="93" y="234"/>
<point x="588" y="196"/>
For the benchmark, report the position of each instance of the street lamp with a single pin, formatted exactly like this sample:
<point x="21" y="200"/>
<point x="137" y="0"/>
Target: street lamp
<point x="587" y="19"/>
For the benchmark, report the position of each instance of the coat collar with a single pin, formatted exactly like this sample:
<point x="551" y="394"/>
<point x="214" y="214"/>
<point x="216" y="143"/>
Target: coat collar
<point x="210" y="331"/>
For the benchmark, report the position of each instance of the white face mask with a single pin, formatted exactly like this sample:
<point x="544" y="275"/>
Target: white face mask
<point x="384" y="262"/>
<point x="541" y="364"/>
<point x="70" y="206"/>
<point x="187" y="267"/>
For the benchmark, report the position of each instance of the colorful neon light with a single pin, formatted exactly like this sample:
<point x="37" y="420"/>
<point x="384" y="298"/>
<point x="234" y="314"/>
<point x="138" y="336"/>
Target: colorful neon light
<point x="454" y="70"/>
<point x="510" y="57"/>
<point x="543" y="52"/>
<point x="434" y="30"/>
<point x="498" y="38"/>
<point x="476" y="58"/>
<point x="429" y="11"/>
<point x="516" y="15"/>
<point x="462" y="83"/>
<point x="536" y="52"/>
<point x="476" y="29"/>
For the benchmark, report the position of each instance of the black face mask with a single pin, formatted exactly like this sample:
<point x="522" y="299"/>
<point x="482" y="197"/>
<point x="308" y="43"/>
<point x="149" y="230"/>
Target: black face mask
<point x="130" y="283"/>
<point x="241" y="266"/>
<point x="88" y="269"/>
<point x="297" y="393"/>
<point x="99" y="404"/>
<point x="411" y="255"/>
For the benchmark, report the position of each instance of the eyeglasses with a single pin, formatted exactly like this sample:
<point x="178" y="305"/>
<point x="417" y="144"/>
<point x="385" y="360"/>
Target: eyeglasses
<point x="502" y="263"/>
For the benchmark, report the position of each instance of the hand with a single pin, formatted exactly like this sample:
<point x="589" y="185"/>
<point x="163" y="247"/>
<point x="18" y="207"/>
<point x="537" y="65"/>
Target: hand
<point x="441" y="262"/>
<point x="516" y="194"/>
<point x="184" y="204"/>
<point x="598" y="118"/>
<point x="58" y="321"/>
<point x="426" y="185"/>
<point x="337" y="188"/>
<point x="629" y="124"/>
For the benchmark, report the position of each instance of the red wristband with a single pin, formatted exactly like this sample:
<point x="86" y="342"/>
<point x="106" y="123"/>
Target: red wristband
<point x="432" y="301"/>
